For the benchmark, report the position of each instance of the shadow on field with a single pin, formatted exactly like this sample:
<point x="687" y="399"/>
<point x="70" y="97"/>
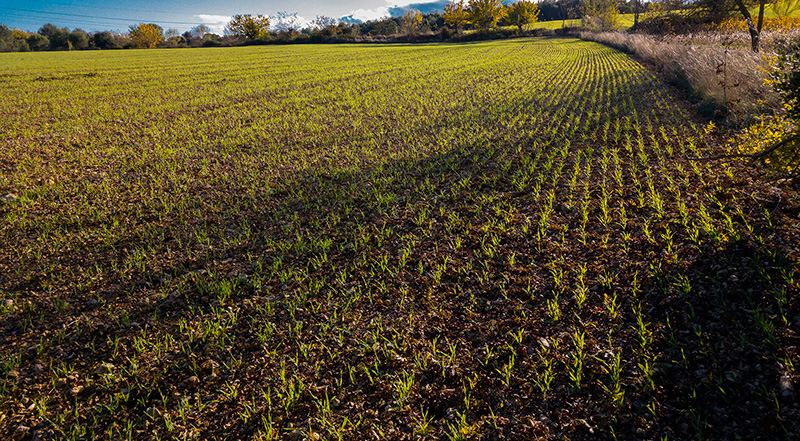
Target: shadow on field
<point x="725" y="348"/>
<point x="81" y="331"/>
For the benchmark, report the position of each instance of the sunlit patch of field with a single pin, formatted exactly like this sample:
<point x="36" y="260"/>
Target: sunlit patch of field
<point x="501" y="239"/>
<point x="625" y="22"/>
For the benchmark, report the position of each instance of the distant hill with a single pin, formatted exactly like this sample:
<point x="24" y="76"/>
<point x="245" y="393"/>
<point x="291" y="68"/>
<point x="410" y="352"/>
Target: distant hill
<point x="397" y="11"/>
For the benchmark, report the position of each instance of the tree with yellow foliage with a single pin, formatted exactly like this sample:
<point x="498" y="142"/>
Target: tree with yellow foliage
<point x="775" y="140"/>
<point x="411" y="22"/>
<point x="602" y="15"/>
<point x="146" y="36"/>
<point x="785" y="8"/>
<point x="251" y="27"/>
<point x="485" y="13"/>
<point x="455" y="15"/>
<point x="522" y="13"/>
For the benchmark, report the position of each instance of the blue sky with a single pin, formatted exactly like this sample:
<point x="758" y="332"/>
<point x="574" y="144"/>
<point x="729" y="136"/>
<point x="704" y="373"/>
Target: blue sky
<point x="95" y="15"/>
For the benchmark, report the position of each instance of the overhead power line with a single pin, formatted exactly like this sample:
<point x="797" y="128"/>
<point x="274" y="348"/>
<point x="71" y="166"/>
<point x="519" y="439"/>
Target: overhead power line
<point x="149" y="11"/>
<point x="95" y="17"/>
<point x="11" y="18"/>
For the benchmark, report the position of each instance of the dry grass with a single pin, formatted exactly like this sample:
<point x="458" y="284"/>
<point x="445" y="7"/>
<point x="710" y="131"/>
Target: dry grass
<point x="722" y="73"/>
<point x="773" y="38"/>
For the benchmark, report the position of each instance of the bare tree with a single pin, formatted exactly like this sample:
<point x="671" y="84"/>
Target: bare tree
<point x="753" y="28"/>
<point x="287" y="22"/>
<point x="200" y="30"/>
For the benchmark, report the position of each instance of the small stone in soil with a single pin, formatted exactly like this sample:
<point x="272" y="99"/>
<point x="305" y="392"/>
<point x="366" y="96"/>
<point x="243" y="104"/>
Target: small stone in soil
<point x="105" y="368"/>
<point x="786" y="386"/>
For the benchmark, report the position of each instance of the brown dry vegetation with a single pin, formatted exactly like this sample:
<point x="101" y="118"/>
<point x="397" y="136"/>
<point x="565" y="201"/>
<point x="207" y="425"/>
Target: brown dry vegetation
<point x="722" y="73"/>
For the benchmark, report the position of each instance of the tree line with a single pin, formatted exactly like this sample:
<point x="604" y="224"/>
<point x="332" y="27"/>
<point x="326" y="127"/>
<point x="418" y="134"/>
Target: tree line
<point x="142" y="35"/>
<point x="477" y="18"/>
<point x="458" y="16"/>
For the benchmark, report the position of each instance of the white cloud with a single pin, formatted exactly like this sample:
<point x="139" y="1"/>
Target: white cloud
<point x="380" y="11"/>
<point x="216" y="23"/>
<point x="369" y="14"/>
